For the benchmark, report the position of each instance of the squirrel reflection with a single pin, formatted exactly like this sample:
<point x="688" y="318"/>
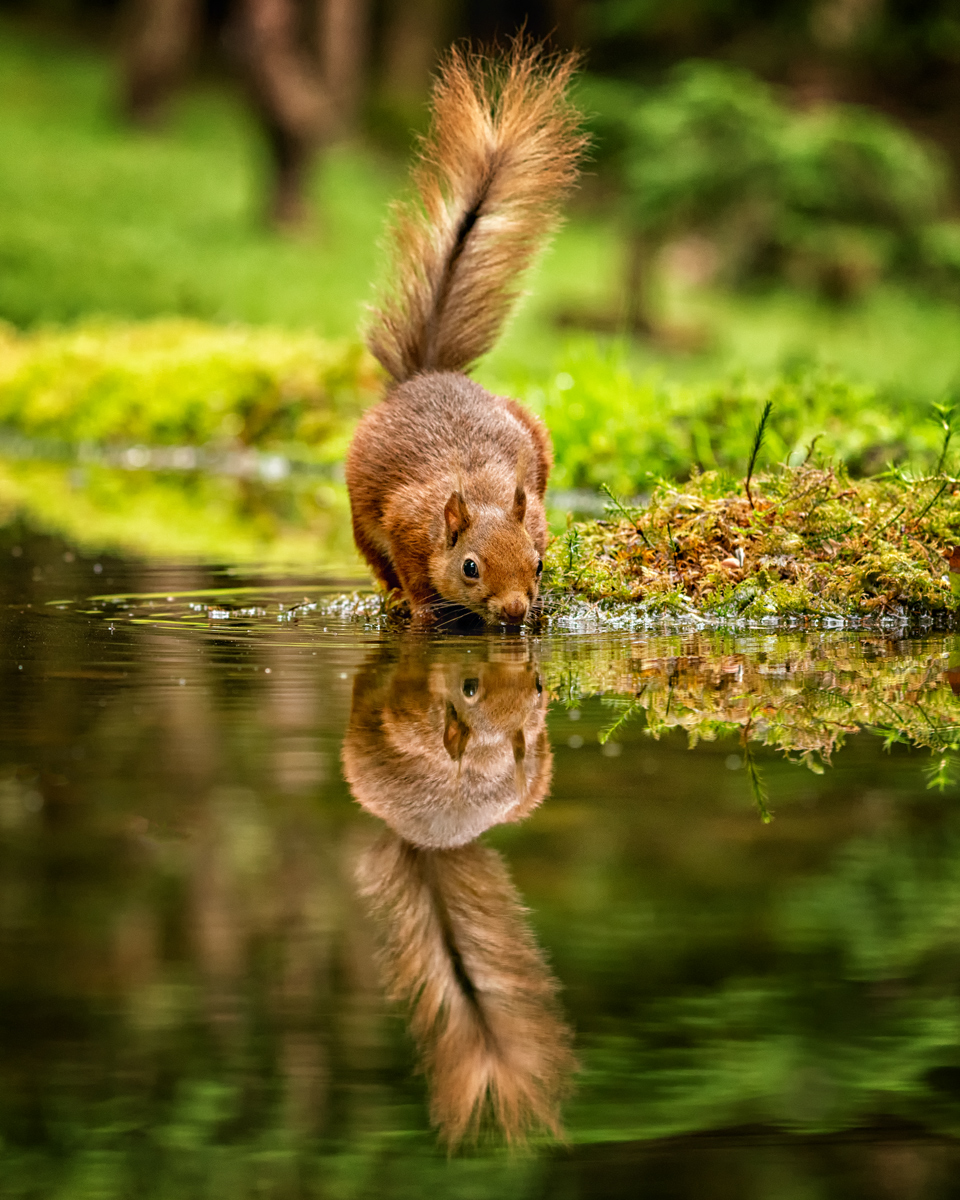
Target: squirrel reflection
<point x="441" y="745"/>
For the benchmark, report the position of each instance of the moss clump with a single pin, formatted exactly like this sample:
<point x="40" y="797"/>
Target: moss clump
<point x="813" y="543"/>
<point x="184" y="382"/>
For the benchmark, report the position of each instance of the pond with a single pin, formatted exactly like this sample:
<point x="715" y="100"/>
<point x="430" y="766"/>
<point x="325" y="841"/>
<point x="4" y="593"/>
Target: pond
<point x="285" y="892"/>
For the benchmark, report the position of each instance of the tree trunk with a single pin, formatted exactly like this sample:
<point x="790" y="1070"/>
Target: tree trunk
<point x="163" y="34"/>
<point x="415" y="31"/>
<point x="290" y="98"/>
<point x="343" y="35"/>
<point x="637" y="315"/>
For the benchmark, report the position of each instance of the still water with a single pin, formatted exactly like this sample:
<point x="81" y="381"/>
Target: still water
<point x="293" y="904"/>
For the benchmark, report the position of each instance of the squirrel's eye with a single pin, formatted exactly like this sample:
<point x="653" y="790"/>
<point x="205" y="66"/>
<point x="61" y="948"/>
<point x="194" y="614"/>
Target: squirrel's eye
<point x="470" y="569"/>
<point x="539" y="568"/>
<point x="471" y="687"/>
<point x="539" y="687"/>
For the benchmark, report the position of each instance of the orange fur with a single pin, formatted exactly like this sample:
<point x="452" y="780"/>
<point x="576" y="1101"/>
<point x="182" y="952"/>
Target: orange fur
<point x="484" y="1012"/>
<point x="442" y="744"/>
<point x="447" y="481"/>
<point x="500" y="156"/>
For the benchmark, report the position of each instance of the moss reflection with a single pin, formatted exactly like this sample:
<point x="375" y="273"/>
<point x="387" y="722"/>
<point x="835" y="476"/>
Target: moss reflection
<point x="802" y="694"/>
<point x="183" y="514"/>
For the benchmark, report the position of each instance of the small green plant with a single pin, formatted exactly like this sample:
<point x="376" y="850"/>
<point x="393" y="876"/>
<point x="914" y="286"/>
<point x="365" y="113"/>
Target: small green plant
<point x="944" y="413"/>
<point x="633" y="707"/>
<point x="942" y="773"/>
<point x="755" y="448"/>
<point x="758" y="787"/>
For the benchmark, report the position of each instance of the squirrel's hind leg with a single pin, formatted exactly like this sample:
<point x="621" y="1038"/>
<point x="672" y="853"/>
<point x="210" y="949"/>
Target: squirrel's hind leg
<point x="380" y="563"/>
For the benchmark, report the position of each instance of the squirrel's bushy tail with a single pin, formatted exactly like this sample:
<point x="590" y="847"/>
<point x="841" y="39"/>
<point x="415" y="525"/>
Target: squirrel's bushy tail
<point x="500" y="155"/>
<point x="483" y="1005"/>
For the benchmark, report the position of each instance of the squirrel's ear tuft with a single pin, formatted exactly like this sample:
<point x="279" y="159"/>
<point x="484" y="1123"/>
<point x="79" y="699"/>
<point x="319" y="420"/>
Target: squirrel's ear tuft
<point x="457" y="516"/>
<point x="519" y="503"/>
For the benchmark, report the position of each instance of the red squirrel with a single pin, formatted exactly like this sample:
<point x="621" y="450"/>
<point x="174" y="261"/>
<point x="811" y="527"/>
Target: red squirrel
<point x="447" y="481"/>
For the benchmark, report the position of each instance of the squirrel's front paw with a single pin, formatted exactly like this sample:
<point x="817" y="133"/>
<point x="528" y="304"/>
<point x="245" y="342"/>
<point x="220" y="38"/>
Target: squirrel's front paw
<point x="396" y="603"/>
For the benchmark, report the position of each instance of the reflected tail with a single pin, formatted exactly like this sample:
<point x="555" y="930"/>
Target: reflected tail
<point x="484" y="1012"/>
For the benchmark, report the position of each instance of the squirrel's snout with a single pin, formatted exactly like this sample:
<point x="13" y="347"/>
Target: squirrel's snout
<point x="513" y="610"/>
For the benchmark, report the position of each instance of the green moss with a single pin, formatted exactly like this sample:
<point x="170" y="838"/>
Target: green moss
<point x="184" y="382"/>
<point x="816" y="544"/>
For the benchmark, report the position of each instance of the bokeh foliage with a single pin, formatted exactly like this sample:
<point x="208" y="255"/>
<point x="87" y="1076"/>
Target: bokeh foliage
<point x="612" y="426"/>
<point x="182" y="382"/>
<point x="833" y="197"/>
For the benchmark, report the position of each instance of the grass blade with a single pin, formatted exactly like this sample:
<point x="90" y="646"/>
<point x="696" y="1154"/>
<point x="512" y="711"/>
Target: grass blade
<point x="757" y="443"/>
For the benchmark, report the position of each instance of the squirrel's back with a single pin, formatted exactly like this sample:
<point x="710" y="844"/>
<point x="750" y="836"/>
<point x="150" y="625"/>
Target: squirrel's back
<point x="444" y="426"/>
<point x="500" y="156"/>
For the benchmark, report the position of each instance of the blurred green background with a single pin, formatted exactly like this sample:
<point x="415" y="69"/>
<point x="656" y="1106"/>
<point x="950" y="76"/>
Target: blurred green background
<point x="769" y="210"/>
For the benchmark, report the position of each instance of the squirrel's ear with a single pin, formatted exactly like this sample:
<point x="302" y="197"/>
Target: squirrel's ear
<point x="457" y="516"/>
<point x="456" y="734"/>
<point x="519" y="503"/>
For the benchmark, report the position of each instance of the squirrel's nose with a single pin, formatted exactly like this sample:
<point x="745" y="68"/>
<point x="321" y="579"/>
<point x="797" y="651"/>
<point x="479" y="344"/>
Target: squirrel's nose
<point x="514" y="609"/>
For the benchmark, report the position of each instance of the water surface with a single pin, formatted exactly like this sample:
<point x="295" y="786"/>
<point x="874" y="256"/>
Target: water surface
<point x="285" y="892"/>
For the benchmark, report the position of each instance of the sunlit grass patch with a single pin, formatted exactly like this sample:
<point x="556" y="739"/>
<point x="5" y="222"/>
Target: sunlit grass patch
<point x="179" y="382"/>
<point x="813" y="543"/>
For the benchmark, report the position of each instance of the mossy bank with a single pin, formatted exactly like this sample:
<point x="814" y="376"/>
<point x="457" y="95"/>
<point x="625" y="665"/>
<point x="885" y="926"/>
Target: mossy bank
<point x="805" y="541"/>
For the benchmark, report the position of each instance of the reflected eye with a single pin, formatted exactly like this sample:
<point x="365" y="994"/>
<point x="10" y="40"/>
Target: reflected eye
<point x="471" y="687"/>
<point x="539" y="568"/>
<point x="539" y="687"/>
<point x="470" y="569"/>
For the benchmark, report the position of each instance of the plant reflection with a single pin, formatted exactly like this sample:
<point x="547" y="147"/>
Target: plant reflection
<point x="441" y="745"/>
